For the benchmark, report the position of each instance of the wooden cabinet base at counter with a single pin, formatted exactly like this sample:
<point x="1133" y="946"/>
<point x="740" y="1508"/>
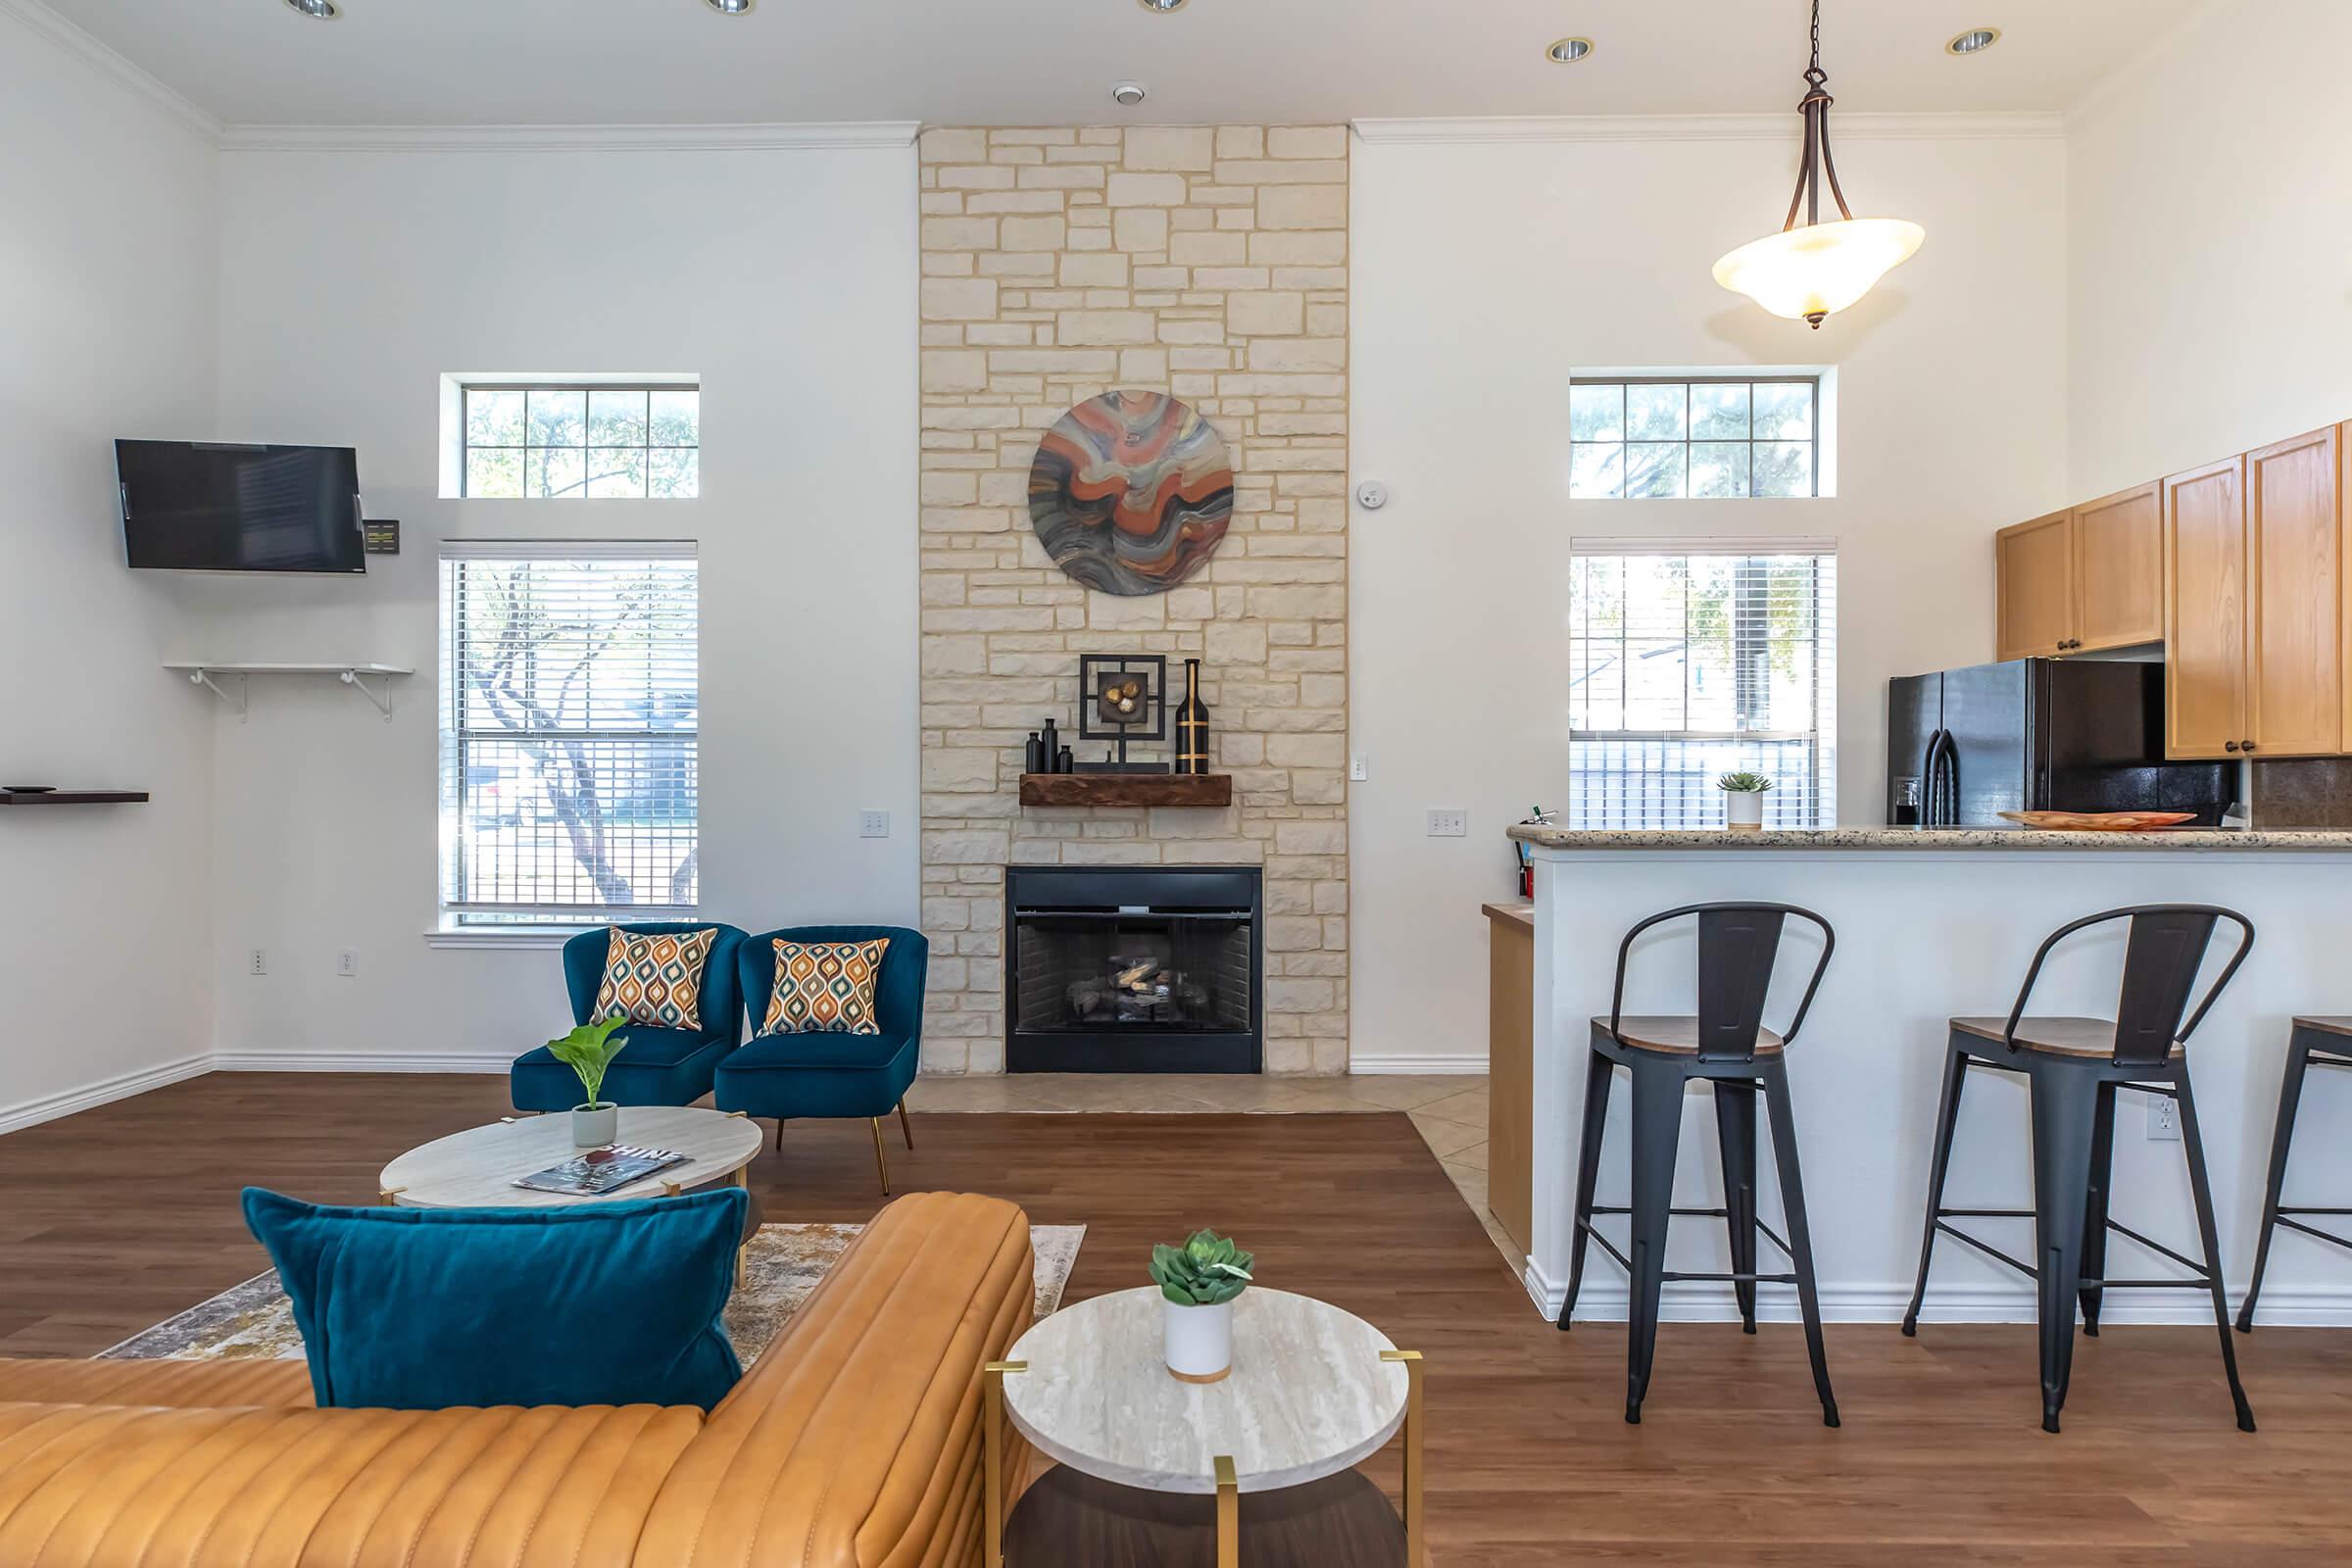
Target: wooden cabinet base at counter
<point x="1510" y="1067"/>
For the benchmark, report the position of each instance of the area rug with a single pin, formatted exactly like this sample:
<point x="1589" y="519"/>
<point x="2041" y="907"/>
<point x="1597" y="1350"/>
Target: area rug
<point x="254" y="1320"/>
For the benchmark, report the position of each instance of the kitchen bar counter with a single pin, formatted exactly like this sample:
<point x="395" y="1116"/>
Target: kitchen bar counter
<point x="2173" y="840"/>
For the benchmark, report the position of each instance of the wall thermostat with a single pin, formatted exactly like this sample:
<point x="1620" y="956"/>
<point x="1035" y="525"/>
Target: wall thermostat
<point x="1371" y="495"/>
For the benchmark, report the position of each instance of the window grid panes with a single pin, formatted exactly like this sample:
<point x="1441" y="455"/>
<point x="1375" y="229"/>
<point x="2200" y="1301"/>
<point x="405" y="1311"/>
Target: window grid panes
<point x="1686" y="666"/>
<point x="593" y="442"/>
<point x="569" y="746"/>
<point x="1703" y="438"/>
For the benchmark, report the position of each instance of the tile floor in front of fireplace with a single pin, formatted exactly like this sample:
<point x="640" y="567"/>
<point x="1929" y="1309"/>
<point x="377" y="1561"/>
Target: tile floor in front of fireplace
<point x="1450" y="1112"/>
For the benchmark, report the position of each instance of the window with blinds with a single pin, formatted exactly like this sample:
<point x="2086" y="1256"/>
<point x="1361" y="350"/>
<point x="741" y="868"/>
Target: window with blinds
<point x="1688" y="661"/>
<point x="569" y="733"/>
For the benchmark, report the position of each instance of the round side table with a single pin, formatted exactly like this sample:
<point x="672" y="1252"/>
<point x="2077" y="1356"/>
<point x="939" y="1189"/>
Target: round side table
<point x="1153" y="1468"/>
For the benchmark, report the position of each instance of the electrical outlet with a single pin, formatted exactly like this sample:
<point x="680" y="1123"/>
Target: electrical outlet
<point x="873" y="825"/>
<point x="1447" y="822"/>
<point x="1359" y="767"/>
<point x="2164" y="1119"/>
<point x="347" y="964"/>
<point x="258" y="962"/>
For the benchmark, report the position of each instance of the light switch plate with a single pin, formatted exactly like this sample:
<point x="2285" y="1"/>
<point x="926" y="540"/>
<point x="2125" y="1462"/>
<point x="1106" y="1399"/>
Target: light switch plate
<point x="873" y="825"/>
<point x="1448" y="823"/>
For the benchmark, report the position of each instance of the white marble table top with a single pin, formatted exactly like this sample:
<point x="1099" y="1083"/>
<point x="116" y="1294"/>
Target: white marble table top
<point x="477" y="1167"/>
<point x="1308" y="1395"/>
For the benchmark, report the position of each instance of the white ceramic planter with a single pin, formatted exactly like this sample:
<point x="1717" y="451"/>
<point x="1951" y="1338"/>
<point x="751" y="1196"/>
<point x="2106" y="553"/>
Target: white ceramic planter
<point x="1197" y="1340"/>
<point x="1743" y="811"/>
<point x="595" y="1126"/>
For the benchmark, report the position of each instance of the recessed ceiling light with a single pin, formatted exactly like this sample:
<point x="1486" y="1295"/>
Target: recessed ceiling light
<point x="1127" y="94"/>
<point x="1974" y="42"/>
<point x="1162" y="6"/>
<point x="730" y="8"/>
<point x="323" y="10"/>
<point x="1568" y="51"/>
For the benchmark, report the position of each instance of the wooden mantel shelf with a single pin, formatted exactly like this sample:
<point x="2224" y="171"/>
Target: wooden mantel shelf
<point x="1126" y="789"/>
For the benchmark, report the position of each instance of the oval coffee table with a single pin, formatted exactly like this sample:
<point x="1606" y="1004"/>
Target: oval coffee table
<point x="1313" y="1392"/>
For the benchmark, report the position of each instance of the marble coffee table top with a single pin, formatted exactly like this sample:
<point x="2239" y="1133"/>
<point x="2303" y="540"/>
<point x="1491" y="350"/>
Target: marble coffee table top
<point x="1308" y="1395"/>
<point x="477" y="1167"/>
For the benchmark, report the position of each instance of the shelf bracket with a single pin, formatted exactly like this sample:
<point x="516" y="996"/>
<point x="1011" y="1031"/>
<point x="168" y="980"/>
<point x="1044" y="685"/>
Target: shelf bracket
<point x="238" y="700"/>
<point x="383" y="703"/>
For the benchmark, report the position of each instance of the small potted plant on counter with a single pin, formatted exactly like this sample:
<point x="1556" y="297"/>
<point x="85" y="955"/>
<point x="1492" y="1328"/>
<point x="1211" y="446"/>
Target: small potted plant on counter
<point x="1198" y="1283"/>
<point x="1743" y="801"/>
<point x="588" y="1050"/>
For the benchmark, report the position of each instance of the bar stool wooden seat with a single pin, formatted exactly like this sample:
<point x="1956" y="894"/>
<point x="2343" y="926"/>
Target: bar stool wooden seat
<point x="2317" y="1042"/>
<point x="2073" y="1068"/>
<point x="1726" y="1045"/>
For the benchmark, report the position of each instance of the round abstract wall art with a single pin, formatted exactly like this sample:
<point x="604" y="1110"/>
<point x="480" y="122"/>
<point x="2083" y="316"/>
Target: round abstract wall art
<point x="1131" y="492"/>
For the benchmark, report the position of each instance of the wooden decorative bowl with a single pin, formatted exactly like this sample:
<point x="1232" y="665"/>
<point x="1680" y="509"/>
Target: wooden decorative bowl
<point x="2100" y="821"/>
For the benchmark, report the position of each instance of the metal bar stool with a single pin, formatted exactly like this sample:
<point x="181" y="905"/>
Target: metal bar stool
<point x="2074" y="1067"/>
<point x="1727" y="1045"/>
<point x="2315" y="1042"/>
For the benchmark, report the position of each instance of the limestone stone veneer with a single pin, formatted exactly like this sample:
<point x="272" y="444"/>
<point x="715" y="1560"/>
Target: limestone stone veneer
<point x="1210" y="262"/>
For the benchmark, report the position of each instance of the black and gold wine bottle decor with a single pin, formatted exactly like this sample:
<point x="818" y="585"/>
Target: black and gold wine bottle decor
<point x="1192" y="724"/>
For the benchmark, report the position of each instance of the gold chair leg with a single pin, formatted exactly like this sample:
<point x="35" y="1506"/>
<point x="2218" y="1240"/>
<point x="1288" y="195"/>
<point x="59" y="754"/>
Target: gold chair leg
<point x="1416" y="1547"/>
<point x="1229" y="1514"/>
<point x="881" y="1163"/>
<point x="905" y="1130"/>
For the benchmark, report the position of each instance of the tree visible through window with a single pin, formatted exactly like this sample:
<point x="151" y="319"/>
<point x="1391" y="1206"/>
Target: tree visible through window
<point x="569" y="733"/>
<point x="1684" y="667"/>
<point x="1639" y="439"/>
<point x="598" y="442"/>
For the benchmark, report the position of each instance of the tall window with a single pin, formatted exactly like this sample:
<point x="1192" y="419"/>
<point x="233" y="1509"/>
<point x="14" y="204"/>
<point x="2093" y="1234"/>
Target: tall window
<point x="601" y="442"/>
<point x="1689" y="662"/>
<point x="1714" y="436"/>
<point x="569" y="748"/>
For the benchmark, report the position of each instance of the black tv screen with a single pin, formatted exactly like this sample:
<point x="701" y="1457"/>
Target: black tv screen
<point x="210" y="506"/>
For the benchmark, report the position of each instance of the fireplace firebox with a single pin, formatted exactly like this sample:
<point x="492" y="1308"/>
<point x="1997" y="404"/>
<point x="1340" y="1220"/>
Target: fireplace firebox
<point x="1144" y="968"/>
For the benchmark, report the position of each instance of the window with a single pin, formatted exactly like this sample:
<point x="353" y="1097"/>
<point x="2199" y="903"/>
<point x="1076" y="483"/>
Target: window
<point x="601" y="441"/>
<point x="1710" y="436"/>
<point x="1687" y="663"/>
<point x="569" y="749"/>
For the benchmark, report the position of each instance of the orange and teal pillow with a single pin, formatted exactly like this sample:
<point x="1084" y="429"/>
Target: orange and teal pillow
<point x="825" y="988"/>
<point x="655" y="979"/>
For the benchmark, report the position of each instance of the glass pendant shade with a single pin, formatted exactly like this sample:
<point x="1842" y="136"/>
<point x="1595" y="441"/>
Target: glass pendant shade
<point x="1808" y="272"/>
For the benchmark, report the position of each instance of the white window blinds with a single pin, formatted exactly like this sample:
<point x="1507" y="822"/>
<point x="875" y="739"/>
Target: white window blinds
<point x="568" y="732"/>
<point x="1688" y="661"/>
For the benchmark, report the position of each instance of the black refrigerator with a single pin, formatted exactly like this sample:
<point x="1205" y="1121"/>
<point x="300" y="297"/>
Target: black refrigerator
<point x="2038" y="735"/>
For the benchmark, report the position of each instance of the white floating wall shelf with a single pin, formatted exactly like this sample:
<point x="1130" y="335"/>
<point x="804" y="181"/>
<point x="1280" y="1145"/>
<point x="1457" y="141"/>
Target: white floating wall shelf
<point x="356" y="676"/>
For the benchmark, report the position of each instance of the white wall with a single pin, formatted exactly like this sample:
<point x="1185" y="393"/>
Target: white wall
<point x="107" y="283"/>
<point x="351" y="280"/>
<point x="1483" y="271"/>
<point x="2210" y="291"/>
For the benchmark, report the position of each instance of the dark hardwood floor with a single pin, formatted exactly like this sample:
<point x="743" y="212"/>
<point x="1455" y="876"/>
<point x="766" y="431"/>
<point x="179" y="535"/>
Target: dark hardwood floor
<point x="119" y="1217"/>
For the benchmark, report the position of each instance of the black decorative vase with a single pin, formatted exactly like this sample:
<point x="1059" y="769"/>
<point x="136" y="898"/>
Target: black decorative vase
<point x="1192" y="724"/>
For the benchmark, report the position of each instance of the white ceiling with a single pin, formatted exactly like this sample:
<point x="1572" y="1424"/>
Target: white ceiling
<point x="1052" y="62"/>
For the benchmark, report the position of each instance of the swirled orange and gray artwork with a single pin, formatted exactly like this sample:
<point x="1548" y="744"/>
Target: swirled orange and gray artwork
<point x="1131" y="492"/>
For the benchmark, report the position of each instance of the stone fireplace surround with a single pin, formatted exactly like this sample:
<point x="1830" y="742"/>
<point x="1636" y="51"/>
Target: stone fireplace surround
<point x="1205" y="261"/>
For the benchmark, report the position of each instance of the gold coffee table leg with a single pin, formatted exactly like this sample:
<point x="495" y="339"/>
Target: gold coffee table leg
<point x="992" y="1447"/>
<point x="1229" y="1514"/>
<point x="1416" y="1549"/>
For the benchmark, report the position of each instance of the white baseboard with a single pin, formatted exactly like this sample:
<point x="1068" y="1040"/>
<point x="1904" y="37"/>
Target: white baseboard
<point x="354" y="1061"/>
<point x="1417" y="1066"/>
<point x="49" y="1107"/>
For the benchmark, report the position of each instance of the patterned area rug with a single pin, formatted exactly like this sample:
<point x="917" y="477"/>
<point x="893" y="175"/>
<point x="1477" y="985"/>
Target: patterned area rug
<point x="254" y="1320"/>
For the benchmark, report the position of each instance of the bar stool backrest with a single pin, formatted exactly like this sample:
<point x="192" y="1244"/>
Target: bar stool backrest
<point x="2163" y="952"/>
<point x="1737" y="945"/>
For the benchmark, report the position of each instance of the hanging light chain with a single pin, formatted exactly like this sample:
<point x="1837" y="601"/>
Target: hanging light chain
<point x="1815" y="107"/>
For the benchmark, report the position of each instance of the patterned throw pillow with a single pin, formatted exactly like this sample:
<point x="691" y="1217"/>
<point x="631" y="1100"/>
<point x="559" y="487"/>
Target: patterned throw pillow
<point x="656" y="980"/>
<point x="825" y="988"/>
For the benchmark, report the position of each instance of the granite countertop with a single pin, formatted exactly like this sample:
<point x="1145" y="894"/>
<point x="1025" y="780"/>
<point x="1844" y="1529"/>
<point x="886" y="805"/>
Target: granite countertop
<point x="2307" y="840"/>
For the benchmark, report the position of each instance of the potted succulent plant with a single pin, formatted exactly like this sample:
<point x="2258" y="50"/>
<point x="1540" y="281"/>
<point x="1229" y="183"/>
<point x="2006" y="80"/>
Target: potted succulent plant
<point x="1743" y="801"/>
<point x="588" y="1050"/>
<point x="1198" y="1283"/>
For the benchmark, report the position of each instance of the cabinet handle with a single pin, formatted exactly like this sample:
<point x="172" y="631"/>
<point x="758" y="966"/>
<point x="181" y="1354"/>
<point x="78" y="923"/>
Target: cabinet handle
<point x="2228" y="746"/>
<point x="2248" y="748"/>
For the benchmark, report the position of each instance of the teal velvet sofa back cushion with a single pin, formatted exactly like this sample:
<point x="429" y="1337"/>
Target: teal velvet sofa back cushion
<point x="610" y="1302"/>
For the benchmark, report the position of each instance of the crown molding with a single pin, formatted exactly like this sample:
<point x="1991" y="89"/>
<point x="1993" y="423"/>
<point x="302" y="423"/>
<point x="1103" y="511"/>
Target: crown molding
<point x="564" y="138"/>
<point x="47" y="23"/>
<point x="1713" y="128"/>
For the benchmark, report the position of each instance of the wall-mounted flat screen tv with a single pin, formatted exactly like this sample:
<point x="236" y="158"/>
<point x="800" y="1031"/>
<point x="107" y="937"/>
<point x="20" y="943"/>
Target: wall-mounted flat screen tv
<point x="214" y="505"/>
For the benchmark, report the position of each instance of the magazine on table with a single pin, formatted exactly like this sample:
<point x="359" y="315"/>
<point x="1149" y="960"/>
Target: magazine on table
<point x="598" y="1171"/>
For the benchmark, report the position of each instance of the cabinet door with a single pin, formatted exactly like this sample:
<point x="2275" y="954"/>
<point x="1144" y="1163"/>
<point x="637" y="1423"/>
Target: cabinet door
<point x="2036" y="564"/>
<point x="2204" y="610"/>
<point x="2294" y="643"/>
<point x="2118" y="570"/>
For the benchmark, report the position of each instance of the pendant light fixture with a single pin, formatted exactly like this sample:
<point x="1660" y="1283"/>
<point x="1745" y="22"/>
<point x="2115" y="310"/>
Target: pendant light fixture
<point x="1808" y="271"/>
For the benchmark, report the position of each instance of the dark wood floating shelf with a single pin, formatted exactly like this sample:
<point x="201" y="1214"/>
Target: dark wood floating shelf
<point x="1126" y="789"/>
<point x="74" y="798"/>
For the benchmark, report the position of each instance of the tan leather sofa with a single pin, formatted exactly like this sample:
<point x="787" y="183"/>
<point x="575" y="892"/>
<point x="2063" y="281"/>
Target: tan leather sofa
<point x="852" y="1443"/>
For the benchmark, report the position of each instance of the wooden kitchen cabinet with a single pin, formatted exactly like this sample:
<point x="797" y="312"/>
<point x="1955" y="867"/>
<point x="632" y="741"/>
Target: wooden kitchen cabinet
<point x="2118" y="570"/>
<point x="2294" y="602"/>
<point x="2204" y="610"/>
<point x="2035" y="566"/>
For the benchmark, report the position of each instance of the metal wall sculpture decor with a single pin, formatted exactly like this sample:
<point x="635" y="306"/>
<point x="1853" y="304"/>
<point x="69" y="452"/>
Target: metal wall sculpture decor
<point x="1131" y="492"/>
<point x="1122" y="698"/>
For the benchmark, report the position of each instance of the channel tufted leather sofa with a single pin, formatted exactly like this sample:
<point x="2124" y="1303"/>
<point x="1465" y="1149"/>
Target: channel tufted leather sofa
<point x="852" y="1443"/>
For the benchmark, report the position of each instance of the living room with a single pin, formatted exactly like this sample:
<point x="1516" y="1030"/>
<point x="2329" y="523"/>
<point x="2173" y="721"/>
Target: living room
<point x="1138" y="597"/>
